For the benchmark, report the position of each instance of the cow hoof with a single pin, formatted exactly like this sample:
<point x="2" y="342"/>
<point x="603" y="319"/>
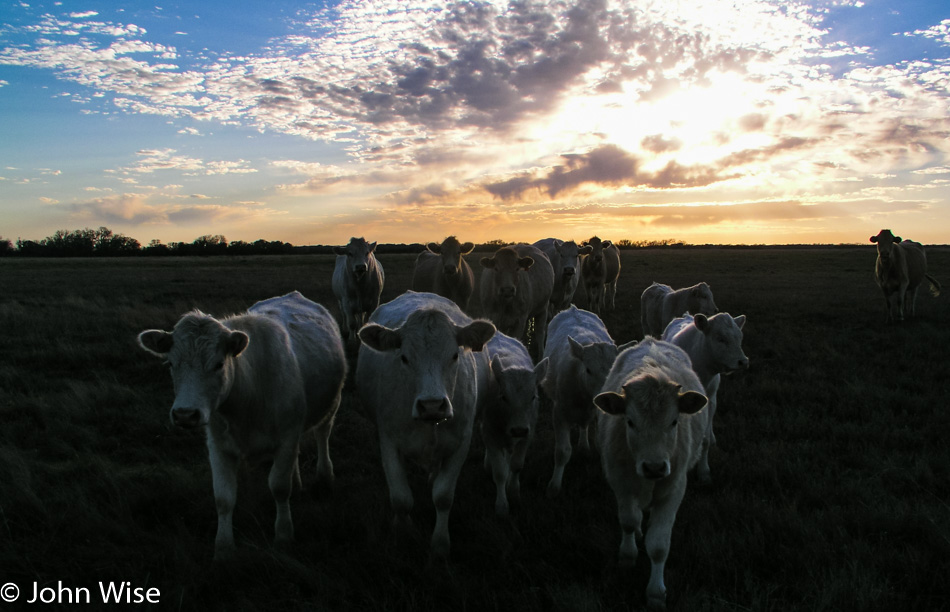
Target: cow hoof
<point x="553" y="490"/>
<point x="656" y="602"/>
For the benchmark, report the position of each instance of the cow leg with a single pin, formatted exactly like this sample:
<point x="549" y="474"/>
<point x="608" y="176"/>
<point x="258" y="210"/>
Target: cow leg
<point x="224" y="478"/>
<point x="500" y="473"/>
<point x="612" y="289"/>
<point x="910" y="303"/>
<point x="324" y="463"/>
<point x="562" y="453"/>
<point x="709" y="438"/>
<point x="280" y="481"/>
<point x="400" y="494"/>
<point x="583" y="439"/>
<point x="631" y="518"/>
<point x="517" y="464"/>
<point x="657" y="541"/>
<point x="443" y="495"/>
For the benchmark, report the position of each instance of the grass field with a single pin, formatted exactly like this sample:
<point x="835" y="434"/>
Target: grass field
<point x="831" y="480"/>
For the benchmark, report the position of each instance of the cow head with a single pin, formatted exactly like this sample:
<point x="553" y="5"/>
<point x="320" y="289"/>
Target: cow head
<point x="723" y="340"/>
<point x="451" y="252"/>
<point x="651" y="403"/>
<point x="885" y="241"/>
<point x="597" y="246"/>
<point x="358" y="253"/>
<point x="429" y="346"/>
<point x="700" y="300"/>
<point x="518" y="394"/>
<point x="201" y="353"/>
<point x="570" y="254"/>
<point x="592" y="363"/>
<point x="507" y="264"/>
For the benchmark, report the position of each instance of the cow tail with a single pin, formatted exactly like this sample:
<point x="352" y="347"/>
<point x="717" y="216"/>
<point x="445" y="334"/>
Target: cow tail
<point x="934" y="285"/>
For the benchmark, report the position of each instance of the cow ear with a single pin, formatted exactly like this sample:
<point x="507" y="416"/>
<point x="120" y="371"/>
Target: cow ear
<point x="475" y="335"/>
<point x="606" y="244"/>
<point x="701" y="322"/>
<point x="372" y="247"/>
<point x="611" y="403"/>
<point x="487" y="262"/>
<point x="434" y="248"/>
<point x="577" y="349"/>
<point x="740" y="321"/>
<point x="156" y="341"/>
<point x="690" y="402"/>
<point x="380" y="338"/>
<point x="525" y="263"/>
<point x="496" y="368"/>
<point x="467" y="248"/>
<point x="897" y="238"/>
<point x="339" y="250"/>
<point x="624" y="347"/>
<point x="541" y="370"/>
<point x="236" y="342"/>
<point x="585" y="250"/>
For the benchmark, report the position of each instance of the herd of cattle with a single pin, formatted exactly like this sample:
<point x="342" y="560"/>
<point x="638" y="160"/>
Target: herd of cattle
<point x="428" y="373"/>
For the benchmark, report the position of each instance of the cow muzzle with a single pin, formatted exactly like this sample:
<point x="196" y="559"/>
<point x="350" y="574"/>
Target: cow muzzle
<point x="506" y="293"/>
<point x="432" y="410"/>
<point x="359" y="270"/>
<point x="569" y="272"/>
<point x="654" y="470"/>
<point x="186" y="418"/>
<point x="519" y="432"/>
<point x="450" y="270"/>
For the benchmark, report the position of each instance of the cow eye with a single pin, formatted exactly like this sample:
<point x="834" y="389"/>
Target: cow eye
<point x="219" y="365"/>
<point x="404" y="359"/>
<point x="630" y="424"/>
<point x="455" y="357"/>
<point x="675" y="421"/>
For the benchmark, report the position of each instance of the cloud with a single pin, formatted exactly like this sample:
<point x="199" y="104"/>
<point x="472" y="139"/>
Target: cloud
<point x="156" y="160"/>
<point x="138" y="210"/>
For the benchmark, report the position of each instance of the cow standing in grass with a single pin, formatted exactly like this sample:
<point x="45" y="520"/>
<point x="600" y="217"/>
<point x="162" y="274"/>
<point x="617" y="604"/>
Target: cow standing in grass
<point x="417" y="375"/>
<point x="515" y="290"/>
<point x="650" y="433"/>
<point x="714" y="346"/>
<point x="660" y="304"/>
<point x="565" y="258"/>
<point x="256" y="382"/>
<point x="601" y="271"/>
<point x="357" y="283"/>
<point x="442" y="270"/>
<point x="900" y="268"/>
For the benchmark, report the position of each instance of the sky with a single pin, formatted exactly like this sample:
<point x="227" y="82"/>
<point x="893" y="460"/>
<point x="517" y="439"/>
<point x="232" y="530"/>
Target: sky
<point x="739" y="122"/>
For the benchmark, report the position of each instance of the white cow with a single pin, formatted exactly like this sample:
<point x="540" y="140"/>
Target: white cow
<point x="566" y="262"/>
<point x="650" y="433"/>
<point x="508" y="414"/>
<point x="900" y="268"/>
<point x="256" y="382"/>
<point x="441" y="269"/>
<point x="357" y="283"/>
<point x="660" y="304"/>
<point x="580" y="352"/>
<point x="714" y="346"/>
<point x="601" y="271"/>
<point x="515" y="289"/>
<point x="417" y="375"/>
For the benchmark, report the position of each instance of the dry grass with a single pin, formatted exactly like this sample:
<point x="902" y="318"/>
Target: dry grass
<point x="831" y="479"/>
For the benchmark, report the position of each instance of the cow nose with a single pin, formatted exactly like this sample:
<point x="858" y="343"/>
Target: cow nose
<point x="450" y="270"/>
<point x="569" y="271"/>
<point x="506" y="292"/>
<point x="186" y="417"/>
<point x="433" y="409"/>
<point x="743" y="364"/>
<point x="518" y="432"/>
<point x="654" y="470"/>
<point x="359" y="268"/>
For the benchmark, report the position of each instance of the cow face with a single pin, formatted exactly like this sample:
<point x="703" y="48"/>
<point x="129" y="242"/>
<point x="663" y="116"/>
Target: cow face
<point x="597" y="246"/>
<point x="592" y="363"/>
<point x="507" y="265"/>
<point x="701" y="300"/>
<point x="724" y="340"/>
<point x="201" y="354"/>
<point x="570" y="254"/>
<point x="451" y="252"/>
<point x="518" y="394"/>
<point x="885" y="241"/>
<point x="358" y="253"/>
<point x="429" y="347"/>
<point x="651" y="404"/>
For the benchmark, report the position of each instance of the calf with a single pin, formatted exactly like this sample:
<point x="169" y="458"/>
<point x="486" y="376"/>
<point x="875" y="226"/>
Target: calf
<point x="580" y="353"/>
<point x="660" y="304"/>
<point x="509" y="413"/>
<point x="417" y="375"/>
<point x="357" y="283"/>
<point x="650" y="432"/>
<point x="714" y="346"/>
<point x="442" y="270"/>
<point x="900" y="268"/>
<point x="256" y="382"/>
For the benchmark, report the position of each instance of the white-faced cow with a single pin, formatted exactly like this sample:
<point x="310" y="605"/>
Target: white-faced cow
<point x="442" y="270"/>
<point x="650" y="433"/>
<point x="714" y="346"/>
<point x="601" y="270"/>
<point x="565" y="258"/>
<point x="660" y="304"/>
<point x="417" y="375"/>
<point x="900" y="268"/>
<point x="509" y="414"/>
<point x="515" y="290"/>
<point x="357" y="283"/>
<point x="256" y="382"/>
<point x="580" y="353"/>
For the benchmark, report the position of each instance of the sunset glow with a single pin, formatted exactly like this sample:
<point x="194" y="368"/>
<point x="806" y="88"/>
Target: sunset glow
<point x="405" y="121"/>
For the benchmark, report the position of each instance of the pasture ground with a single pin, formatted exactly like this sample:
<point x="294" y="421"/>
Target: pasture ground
<point x="831" y="477"/>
